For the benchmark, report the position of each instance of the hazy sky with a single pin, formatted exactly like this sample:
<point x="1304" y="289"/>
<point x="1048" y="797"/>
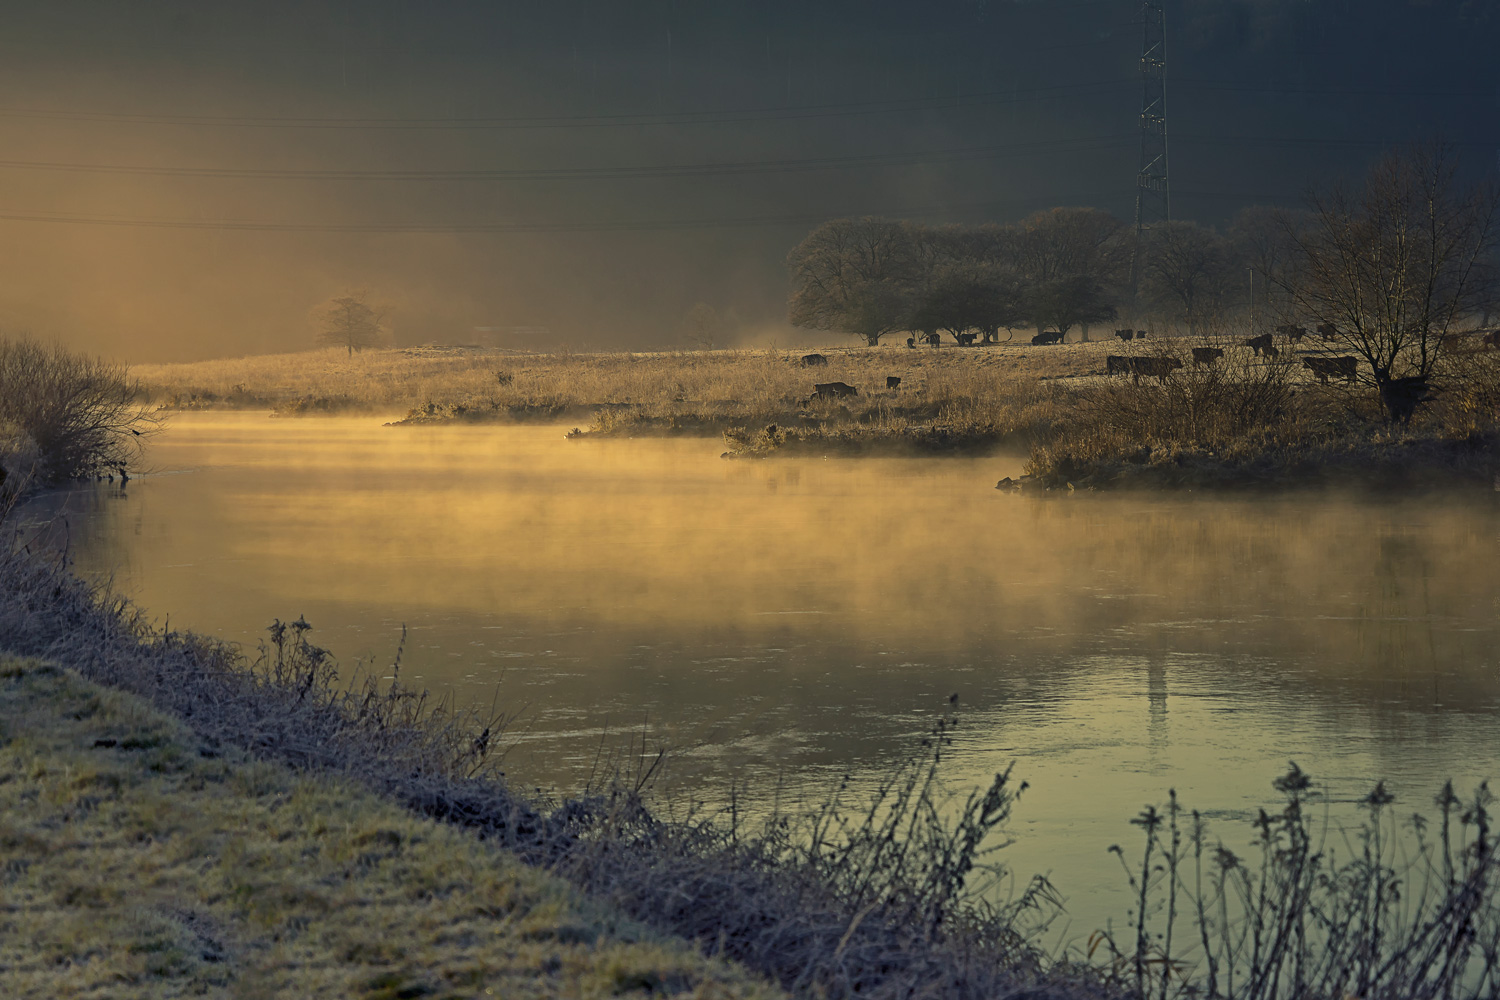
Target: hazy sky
<point x="187" y="180"/>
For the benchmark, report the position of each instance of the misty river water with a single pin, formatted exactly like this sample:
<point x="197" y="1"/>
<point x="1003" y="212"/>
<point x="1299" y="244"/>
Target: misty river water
<point x="788" y="622"/>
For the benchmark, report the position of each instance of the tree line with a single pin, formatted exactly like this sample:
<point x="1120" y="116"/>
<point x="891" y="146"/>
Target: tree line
<point x="1391" y="268"/>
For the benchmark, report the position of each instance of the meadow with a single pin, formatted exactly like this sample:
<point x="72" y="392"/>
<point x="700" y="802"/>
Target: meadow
<point x="1244" y="421"/>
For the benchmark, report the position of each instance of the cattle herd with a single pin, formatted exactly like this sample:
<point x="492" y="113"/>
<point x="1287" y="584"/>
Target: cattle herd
<point x="1160" y="367"/>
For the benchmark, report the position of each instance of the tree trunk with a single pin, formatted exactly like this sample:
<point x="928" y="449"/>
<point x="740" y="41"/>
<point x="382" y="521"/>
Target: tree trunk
<point x="872" y="340"/>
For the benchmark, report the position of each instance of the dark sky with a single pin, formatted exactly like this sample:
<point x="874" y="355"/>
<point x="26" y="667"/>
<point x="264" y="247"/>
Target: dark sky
<point x="598" y="168"/>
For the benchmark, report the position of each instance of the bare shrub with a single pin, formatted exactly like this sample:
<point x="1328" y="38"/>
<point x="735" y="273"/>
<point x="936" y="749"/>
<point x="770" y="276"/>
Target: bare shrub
<point x="73" y="414"/>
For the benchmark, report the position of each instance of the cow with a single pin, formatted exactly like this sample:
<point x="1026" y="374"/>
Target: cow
<point x="1140" y="335"/>
<point x="932" y="339"/>
<point x="1125" y="335"/>
<point x="893" y="381"/>
<point x="1346" y="368"/>
<point x="1261" y="343"/>
<point x="1328" y="332"/>
<point x="1492" y="339"/>
<point x="1401" y="396"/>
<point x="814" y="361"/>
<point x="965" y="339"/>
<point x="911" y="342"/>
<point x="1206" y="355"/>
<point x="1049" y="337"/>
<point x="1117" y="364"/>
<point x="833" y="390"/>
<point x="1271" y="351"/>
<point x="1157" y="368"/>
<point x="1293" y="334"/>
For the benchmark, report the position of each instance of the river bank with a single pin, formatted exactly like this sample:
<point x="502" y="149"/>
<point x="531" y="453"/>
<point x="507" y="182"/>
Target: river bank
<point x="142" y="861"/>
<point x="1240" y="423"/>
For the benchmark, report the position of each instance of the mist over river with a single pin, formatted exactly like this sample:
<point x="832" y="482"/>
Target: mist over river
<point x="791" y="621"/>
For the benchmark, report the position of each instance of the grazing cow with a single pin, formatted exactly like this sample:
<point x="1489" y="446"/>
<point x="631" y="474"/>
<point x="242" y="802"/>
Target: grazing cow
<point x="1050" y="337"/>
<point x="1140" y="335"/>
<point x="1157" y="368"/>
<point x="1125" y="335"/>
<point x="1206" y="355"/>
<point x="1117" y="364"/>
<point x="965" y="339"/>
<point x="932" y="339"/>
<point x="1346" y="368"/>
<point x="1328" y="332"/>
<point x="893" y="381"/>
<point x="911" y="341"/>
<point x="1261" y="343"/>
<point x="1293" y="334"/>
<point x="833" y="390"/>
<point x="813" y="360"/>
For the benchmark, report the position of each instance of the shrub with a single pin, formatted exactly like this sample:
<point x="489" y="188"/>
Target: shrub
<point x="63" y="415"/>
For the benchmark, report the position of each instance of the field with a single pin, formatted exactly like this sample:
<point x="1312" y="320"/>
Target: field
<point x="1245" y="421"/>
<point x="141" y="862"/>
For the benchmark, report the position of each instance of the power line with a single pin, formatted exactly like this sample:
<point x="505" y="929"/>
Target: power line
<point x="924" y="158"/>
<point x="717" y="117"/>
<point x="598" y="226"/>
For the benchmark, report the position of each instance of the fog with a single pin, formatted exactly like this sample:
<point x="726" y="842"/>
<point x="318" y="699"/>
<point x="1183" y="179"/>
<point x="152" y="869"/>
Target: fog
<point x="158" y="203"/>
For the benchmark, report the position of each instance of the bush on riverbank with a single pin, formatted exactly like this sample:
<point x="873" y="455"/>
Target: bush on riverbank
<point x="65" y="416"/>
<point x="1246" y="423"/>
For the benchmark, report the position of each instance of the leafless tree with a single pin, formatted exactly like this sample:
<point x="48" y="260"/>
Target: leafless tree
<point x="854" y="276"/>
<point x="65" y="415"/>
<point x="1186" y="268"/>
<point x="1398" y="263"/>
<point x="351" y="321"/>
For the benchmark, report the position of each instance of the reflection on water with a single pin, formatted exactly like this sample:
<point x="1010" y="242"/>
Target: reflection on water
<point x="798" y="619"/>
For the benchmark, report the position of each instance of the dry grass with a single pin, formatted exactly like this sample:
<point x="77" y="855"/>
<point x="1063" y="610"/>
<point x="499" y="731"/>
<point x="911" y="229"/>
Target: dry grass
<point x="140" y="862"/>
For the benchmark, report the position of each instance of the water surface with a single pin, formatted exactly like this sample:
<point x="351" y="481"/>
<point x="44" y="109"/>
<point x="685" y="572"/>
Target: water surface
<point x="791" y="621"/>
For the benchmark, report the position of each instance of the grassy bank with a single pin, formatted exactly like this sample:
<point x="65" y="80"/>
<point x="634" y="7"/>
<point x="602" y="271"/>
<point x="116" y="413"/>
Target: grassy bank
<point x="141" y="862"/>
<point x="1243" y="422"/>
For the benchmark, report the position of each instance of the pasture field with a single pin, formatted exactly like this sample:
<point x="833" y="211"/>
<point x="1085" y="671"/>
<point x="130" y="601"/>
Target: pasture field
<point x="141" y="862"/>
<point x="1243" y="420"/>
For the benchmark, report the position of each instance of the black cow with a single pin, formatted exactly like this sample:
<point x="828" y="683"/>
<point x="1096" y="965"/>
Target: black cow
<point x="1157" y="368"/>
<point x="1492" y="339"/>
<point x="893" y="381"/>
<point x="1293" y="334"/>
<point x="1401" y="396"/>
<point x="1261" y="343"/>
<point x="833" y="390"/>
<point x="1346" y="368"/>
<point x="1206" y="355"/>
<point x="911" y="341"/>
<point x="813" y="360"/>
<point x="1125" y="335"/>
<point x="1050" y="337"/>
<point x="1140" y="335"/>
<point x="1328" y="332"/>
<point x="965" y="339"/>
<point x="933" y="339"/>
<point x="1271" y="351"/>
<point x="1116" y="364"/>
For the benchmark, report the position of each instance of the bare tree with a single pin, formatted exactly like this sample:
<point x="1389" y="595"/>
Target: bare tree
<point x="853" y="276"/>
<point x="351" y="321"/>
<point x="1063" y="303"/>
<point x="1186" y="268"/>
<point x="1266" y="257"/>
<point x="1076" y="261"/>
<point x="1398" y="263"/>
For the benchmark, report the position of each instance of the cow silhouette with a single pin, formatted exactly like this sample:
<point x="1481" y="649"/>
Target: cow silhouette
<point x="813" y="360"/>
<point x="1346" y="368"/>
<point x="833" y="390"/>
<point x="893" y="381"/>
<point x="1050" y="337"/>
<point x="1206" y="355"/>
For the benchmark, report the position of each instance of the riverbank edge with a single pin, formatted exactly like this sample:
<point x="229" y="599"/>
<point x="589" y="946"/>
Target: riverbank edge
<point x="145" y="863"/>
<point x="731" y="897"/>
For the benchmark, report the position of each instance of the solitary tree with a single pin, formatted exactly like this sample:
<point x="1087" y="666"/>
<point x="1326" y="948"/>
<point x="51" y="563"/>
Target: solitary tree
<point x="1398" y="263"/>
<point x="853" y="276"/>
<point x="1062" y="303"/>
<point x="350" y="321"/>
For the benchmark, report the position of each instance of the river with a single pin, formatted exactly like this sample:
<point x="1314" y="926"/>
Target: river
<point x="788" y="622"/>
